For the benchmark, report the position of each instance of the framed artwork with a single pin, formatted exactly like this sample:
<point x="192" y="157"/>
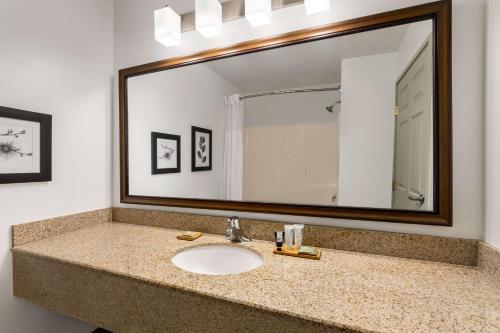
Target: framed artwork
<point x="165" y="153"/>
<point x="25" y="146"/>
<point x="201" y="149"/>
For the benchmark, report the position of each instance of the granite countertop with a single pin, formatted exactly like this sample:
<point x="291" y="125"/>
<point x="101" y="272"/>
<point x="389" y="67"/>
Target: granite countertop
<point x="362" y="292"/>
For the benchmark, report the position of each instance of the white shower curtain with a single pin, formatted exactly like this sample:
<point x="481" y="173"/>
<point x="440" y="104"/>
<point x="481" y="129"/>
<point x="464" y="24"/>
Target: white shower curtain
<point x="233" y="148"/>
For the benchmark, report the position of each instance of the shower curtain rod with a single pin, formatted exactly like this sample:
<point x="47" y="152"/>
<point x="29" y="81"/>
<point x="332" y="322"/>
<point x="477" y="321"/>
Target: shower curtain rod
<point x="280" y="92"/>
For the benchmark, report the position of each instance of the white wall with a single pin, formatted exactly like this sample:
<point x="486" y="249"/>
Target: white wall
<point x="492" y="167"/>
<point x="134" y="44"/>
<point x="56" y="58"/>
<point x="413" y="40"/>
<point x="366" y="131"/>
<point x="367" y="124"/>
<point x="171" y="102"/>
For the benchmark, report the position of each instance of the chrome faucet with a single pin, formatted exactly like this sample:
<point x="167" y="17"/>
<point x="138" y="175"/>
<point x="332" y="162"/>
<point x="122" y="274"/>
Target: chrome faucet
<point x="234" y="232"/>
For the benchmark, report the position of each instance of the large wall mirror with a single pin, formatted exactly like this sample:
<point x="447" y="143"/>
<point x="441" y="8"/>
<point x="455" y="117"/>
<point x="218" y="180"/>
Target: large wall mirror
<point x="349" y="120"/>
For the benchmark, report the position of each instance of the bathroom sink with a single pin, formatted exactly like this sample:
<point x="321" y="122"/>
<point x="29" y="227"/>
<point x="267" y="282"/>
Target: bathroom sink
<point x="217" y="260"/>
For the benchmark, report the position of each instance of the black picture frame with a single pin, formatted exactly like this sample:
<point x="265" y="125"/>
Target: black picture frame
<point x="155" y="170"/>
<point x="45" y="121"/>
<point x="194" y="147"/>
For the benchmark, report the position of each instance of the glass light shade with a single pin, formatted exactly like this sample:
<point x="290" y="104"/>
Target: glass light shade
<point x="258" y="12"/>
<point x="208" y="17"/>
<point x="317" y="6"/>
<point x="167" y="27"/>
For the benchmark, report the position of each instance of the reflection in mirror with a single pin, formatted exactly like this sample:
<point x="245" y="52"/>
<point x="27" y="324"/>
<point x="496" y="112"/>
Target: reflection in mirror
<point x="343" y="121"/>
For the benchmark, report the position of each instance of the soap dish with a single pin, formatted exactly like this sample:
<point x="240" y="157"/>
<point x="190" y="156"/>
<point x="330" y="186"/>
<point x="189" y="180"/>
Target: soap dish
<point x="189" y="235"/>
<point x="294" y="253"/>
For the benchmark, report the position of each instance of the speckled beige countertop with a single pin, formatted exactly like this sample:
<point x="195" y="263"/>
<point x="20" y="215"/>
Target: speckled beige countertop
<point x="350" y="290"/>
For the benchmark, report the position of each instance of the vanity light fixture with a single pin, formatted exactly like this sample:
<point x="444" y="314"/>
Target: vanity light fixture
<point x="208" y="17"/>
<point x="317" y="6"/>
<point x="167" y="27"/>
<point x="258" y="12"/>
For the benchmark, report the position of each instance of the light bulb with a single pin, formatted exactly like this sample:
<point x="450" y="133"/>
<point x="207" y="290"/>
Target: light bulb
<point x="208" y="17"/>
<point x="167" y="26"/>
<point x="317" y="6"/>
<point x="258" y="12"/>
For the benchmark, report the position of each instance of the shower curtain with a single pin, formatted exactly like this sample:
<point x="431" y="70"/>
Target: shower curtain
<point x="233" y="148"/>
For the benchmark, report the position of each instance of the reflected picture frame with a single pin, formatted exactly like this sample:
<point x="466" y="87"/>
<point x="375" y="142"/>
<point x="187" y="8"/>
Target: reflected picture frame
<point x="201" y="149"/>
<point x="165" y="153"/>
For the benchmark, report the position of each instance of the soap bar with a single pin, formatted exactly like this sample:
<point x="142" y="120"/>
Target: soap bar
<point x="309" y="250"/>
<point x="189" y="235"/>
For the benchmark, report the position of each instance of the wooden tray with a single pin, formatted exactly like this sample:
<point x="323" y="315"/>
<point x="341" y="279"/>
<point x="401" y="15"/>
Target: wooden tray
<point x="293" y="253"/>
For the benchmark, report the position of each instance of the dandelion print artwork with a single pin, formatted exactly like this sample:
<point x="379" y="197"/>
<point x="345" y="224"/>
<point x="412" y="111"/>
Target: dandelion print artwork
<point x="25" y="146"/>
<point x="165" y="153"/>
<point x="16" y="146"/>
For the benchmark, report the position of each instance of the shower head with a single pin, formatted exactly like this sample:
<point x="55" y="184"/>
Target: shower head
<point x="331" y="108"/>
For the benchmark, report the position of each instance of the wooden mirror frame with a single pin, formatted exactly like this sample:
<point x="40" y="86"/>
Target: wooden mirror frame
<point x="439" y="12"/>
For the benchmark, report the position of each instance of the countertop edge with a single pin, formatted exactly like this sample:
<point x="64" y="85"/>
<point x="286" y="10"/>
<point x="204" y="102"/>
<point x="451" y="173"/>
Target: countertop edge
<point x="152" y="283"/>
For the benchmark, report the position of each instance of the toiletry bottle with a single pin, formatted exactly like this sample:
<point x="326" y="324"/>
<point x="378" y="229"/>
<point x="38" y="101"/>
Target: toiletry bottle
<point x="289" y="236"/>
<point x="298" y="230"/>
<point x="278" y="236"/>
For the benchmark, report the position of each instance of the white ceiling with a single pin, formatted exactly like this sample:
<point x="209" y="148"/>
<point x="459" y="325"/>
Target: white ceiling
<point x="302" y="65"/>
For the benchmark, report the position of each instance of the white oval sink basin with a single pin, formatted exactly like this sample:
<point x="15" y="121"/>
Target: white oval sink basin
<point x="217" y="260"/>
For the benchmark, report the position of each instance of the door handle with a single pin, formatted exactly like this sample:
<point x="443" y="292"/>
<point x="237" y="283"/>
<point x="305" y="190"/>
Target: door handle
<point x="420" y="198"/>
